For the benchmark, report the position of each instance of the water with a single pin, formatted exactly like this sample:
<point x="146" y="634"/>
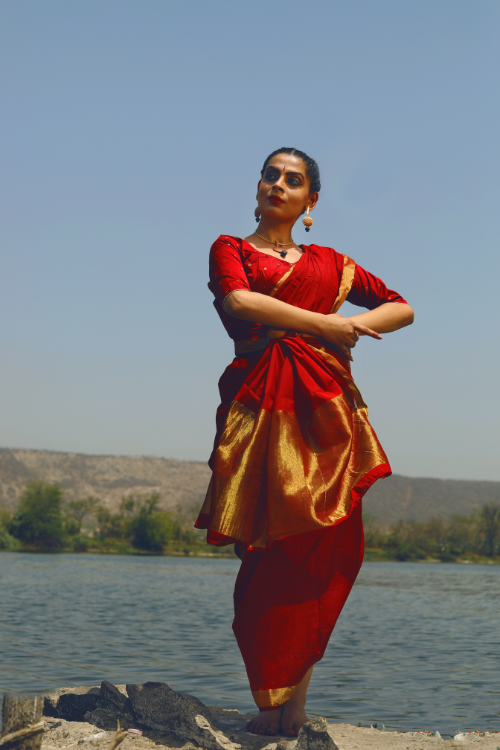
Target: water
<point x="417" y="645"/>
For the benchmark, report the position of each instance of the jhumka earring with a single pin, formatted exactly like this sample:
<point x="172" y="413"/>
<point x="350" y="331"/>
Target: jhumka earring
<point x="256" y="213"/>
<point x="307" y="221"/>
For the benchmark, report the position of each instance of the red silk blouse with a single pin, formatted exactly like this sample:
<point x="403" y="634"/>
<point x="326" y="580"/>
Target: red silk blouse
<point x="234" y="264"/>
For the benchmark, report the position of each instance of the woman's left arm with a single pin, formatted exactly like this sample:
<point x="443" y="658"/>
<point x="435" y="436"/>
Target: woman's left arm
<point x="388" y="317"/>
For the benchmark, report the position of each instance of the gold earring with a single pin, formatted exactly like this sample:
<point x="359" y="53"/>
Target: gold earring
<point x="307" y="221"/>
<point x="256" y="213"/>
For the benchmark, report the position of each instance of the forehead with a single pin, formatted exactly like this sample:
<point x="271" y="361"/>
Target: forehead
<point x="288" y="162"/>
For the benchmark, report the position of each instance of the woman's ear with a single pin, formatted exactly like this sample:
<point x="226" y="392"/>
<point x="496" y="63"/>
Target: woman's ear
<point x="313" y="199"/>
<point x="258" y="188"/>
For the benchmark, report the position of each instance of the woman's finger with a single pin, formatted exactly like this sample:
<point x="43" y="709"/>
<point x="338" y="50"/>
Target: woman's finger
<point x="364" y="331"/>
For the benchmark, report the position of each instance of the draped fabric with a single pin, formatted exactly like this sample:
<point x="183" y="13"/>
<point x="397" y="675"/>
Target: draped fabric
<point x="293" y="455"/>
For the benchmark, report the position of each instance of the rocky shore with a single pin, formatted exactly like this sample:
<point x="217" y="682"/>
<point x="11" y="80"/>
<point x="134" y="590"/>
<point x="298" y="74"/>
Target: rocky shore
<point x="153" y="714"/>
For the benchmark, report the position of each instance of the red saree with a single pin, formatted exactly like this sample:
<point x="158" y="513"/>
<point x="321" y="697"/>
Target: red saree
<point x="294" y="454"/>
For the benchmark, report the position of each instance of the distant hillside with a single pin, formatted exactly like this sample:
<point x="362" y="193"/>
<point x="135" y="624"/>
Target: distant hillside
<point x="109" y="478"/>
<point x="419" y="498"/>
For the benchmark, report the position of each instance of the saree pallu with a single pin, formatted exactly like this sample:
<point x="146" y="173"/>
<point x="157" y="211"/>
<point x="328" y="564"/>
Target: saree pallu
<point x="293" y="456"/>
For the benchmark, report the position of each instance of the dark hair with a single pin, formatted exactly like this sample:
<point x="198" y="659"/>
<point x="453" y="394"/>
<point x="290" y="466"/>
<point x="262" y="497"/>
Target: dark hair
<point x="312" y="169"/>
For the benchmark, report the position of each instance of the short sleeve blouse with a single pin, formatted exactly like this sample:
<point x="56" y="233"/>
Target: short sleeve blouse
<point x="234" y="265"/>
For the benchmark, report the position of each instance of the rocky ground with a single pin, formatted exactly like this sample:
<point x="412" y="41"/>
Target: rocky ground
<point x="152" y="714"/>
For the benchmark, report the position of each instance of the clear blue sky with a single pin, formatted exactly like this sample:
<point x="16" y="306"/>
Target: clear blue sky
<point x="132" y="135"/>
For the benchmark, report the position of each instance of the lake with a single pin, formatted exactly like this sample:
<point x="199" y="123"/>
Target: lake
<point x="417" y="645"/>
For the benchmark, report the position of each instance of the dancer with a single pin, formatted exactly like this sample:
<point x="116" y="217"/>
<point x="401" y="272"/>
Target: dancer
<point x="294" y="451"/>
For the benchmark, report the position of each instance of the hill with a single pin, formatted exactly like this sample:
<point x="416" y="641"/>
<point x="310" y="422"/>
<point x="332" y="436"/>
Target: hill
<point x="419" y="498"/>
<point x="109" y="478"/>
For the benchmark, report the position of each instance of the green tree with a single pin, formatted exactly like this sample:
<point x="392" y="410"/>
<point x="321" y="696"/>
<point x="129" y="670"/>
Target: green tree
<point x="461" y="535"/>
<point x="39" y="520"/>
<point x="489" y="527"/>
<point x="110" y="525"/>
<point x="75" y="513"/>
<point x="151" y="528"/>
<point x="373" y="536"/>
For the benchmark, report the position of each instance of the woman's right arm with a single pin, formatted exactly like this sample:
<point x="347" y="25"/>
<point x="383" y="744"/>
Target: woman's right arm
<point x="260" y="308"/>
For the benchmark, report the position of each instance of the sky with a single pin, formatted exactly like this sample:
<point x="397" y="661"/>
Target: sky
<point x="132" y="135"/>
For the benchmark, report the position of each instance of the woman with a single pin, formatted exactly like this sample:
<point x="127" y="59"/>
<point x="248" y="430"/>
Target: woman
<point x="294" y="451"/>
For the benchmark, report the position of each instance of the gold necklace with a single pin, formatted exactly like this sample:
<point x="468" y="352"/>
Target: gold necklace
<point x="277" y="245"/>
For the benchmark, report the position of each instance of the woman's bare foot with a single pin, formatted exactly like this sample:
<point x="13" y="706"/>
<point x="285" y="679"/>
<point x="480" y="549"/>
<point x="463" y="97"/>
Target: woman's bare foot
<point x="293" y="717"/>
<point x="266" y="722"/>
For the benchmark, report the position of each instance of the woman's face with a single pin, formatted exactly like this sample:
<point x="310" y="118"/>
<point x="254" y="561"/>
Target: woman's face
<point x="283" y="192"/>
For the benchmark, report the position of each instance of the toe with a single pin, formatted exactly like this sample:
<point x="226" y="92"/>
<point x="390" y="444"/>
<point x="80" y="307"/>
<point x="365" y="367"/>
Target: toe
<point x="299" y="724"/>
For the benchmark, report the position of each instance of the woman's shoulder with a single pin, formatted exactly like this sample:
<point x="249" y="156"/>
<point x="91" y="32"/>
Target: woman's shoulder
<point x="324" y="251"/>
<point x="227" y="239"/>
<point x="225" y="243"/>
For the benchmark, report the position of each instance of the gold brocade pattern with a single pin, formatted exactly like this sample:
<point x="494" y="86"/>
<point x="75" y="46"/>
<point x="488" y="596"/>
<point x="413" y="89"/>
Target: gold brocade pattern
<point x="275" y="477"/>
<point x="239" y="508"/>
<point x="273" y="697"/>
<point x="345" y="283"/>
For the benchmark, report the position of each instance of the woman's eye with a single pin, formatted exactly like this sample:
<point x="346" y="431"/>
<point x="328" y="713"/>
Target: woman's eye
<point x="270" y="176"/>
<point x="294" y="181"/>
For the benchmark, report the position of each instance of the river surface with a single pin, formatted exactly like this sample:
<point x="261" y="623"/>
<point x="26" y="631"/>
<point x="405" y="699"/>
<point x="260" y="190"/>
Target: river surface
<point x="416" y="647"/>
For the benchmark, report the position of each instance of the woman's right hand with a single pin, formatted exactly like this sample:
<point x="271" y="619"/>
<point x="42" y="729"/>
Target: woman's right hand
<point x="343" y="333"/>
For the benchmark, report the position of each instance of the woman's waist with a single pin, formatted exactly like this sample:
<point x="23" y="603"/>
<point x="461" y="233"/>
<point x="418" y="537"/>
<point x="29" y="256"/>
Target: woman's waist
<point x="258" y="342"/>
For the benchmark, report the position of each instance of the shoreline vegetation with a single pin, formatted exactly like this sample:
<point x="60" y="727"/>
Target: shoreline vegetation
<point x="46" y="522"/>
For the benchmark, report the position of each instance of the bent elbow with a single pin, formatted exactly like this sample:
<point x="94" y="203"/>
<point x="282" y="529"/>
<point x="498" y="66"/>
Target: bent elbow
<point x="234" y="304"/>
<point x="410" y="315"/>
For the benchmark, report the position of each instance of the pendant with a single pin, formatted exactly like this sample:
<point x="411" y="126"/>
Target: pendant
<point x="283" y="253"/>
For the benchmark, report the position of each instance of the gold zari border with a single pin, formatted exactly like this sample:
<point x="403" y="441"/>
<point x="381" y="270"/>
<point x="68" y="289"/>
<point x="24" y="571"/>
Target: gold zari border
<point x="345" y="283"/>
<point x="273" y="697"/>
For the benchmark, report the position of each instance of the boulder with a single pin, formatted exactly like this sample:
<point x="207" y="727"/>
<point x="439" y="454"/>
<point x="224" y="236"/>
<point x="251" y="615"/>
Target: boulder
<point x="157" y="706"/>
<point x="112" y="700"/>
<point x="71" y="703"/>
<point x="314" y="736"/>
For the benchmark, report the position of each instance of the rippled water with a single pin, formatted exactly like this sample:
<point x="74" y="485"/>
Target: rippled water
<point x="417" y="645"/>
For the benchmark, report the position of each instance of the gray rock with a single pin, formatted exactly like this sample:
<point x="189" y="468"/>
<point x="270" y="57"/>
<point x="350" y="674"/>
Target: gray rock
<point x="314" y="736"/>
<point x="193" y="699"/>
<point x="157" y="706"/>
<point x="106" y="720"/>
<point x="113" y="701"/>
<point x="71" y="703"/>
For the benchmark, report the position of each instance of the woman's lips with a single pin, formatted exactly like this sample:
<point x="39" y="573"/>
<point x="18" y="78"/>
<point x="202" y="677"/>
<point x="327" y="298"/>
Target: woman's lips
<point x="274" y="199"/>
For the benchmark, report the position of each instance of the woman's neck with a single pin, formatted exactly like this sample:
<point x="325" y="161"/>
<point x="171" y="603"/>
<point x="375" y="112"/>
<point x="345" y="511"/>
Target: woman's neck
<point x="280" y="233"/>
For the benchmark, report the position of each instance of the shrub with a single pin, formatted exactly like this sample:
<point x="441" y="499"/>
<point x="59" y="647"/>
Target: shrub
<point x="7" y="542"/>
<point x="110" y="525"/>
<point x="150" y="528"/>
<point x="402" y="550"/>
<point x="80" y="543"/>
<point x="152" y="531"/>
<point x="76" y="512"/>
<point x="39" y="521"/>
<point x="489" y="528"/>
